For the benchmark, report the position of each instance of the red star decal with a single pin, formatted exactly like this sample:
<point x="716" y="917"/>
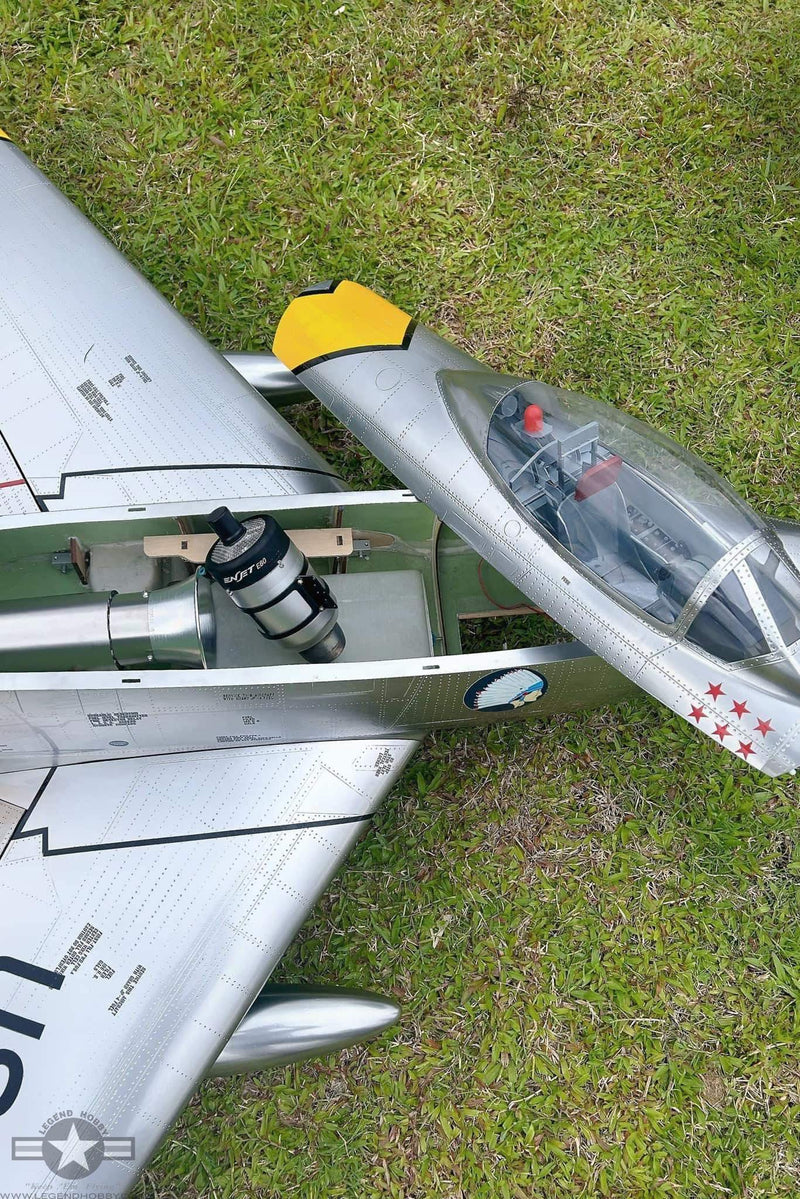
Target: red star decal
<point x="745" y="749"/>
<point x="764" y="727"/>
<point x="698" y="714"/>
<point x="714" y="690"/>
<point x="740" y="709"/>
<point x="721" y="731"/>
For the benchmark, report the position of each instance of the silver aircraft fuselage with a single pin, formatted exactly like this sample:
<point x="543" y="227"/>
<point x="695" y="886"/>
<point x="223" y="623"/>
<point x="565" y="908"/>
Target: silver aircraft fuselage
<point x="56" y="717"/>
<point x="428" y="411"/>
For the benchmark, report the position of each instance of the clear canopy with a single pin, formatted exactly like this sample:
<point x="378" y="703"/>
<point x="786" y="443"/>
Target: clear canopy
<point x="726" y="624"/>
<point x="643" y="514"/>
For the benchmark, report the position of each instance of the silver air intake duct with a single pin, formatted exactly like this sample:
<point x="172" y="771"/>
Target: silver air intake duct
<point x="174" y="626"/>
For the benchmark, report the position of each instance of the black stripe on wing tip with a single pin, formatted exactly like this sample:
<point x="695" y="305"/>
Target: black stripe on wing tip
<point x="152" y="470"/>
<point x="186" y="838"/>
<point x="19" y="831"/>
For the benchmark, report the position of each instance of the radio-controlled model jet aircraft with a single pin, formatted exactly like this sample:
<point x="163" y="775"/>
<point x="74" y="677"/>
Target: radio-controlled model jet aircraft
<point x="217" y="659"/>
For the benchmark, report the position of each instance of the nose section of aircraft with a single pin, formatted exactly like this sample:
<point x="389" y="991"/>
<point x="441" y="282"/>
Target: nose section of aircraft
<point x="783" y="757"/>
<point x="767" y="715"/>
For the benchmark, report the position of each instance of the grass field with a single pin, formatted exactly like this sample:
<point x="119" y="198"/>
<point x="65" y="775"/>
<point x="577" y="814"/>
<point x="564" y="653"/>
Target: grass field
<point x="591" y="923"/>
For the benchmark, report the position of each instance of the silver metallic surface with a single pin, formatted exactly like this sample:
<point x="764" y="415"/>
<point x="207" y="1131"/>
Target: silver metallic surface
<point x="124" y="567"/>
<point x="162" y="892"/>
<point x="56" y="633"/>
<point x="10" y="816"/>
<point x="329" y="646"/>
<point x="185" y="508"/>
<point x="289" y="1024"/>
<point x="270" y="585"/>
<point x="282" y="610"/>
<point x="132" y="406"/>
<point x="91" y="631"/>
<point x="128" y="630"/>
<point x="58" y="718"/>
<point x="180" y="623"/>
<point x="269" y="377"/>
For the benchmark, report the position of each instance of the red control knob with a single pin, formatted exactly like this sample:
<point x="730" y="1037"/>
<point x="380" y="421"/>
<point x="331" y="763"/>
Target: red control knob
<point x="533" y="419"/>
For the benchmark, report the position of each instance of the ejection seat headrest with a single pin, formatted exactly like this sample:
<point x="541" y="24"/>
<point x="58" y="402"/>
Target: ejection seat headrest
<point x="596" y="478"/>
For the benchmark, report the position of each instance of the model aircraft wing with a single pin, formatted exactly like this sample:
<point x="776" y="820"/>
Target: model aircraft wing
<point x="143" y="904"/>
<point x="107" y="396"/>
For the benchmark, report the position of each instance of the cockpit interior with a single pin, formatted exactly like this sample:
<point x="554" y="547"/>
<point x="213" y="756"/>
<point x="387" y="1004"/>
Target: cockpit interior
<point x="647" y="518"/>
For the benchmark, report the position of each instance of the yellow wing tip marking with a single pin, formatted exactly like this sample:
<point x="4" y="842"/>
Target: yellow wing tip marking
<point x="339" y="319"/>
<point x="4" y="135"/>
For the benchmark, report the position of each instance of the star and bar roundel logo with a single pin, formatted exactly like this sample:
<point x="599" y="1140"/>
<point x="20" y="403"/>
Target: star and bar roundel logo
<point x="73" y="1147"/>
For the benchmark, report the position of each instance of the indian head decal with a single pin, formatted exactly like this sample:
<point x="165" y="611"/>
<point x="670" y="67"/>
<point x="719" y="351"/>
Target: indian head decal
<point x="504" y="690"/>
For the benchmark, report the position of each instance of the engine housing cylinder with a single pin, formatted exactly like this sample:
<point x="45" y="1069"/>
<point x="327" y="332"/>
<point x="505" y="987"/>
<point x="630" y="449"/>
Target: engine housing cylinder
<point x="267" y="576"/>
